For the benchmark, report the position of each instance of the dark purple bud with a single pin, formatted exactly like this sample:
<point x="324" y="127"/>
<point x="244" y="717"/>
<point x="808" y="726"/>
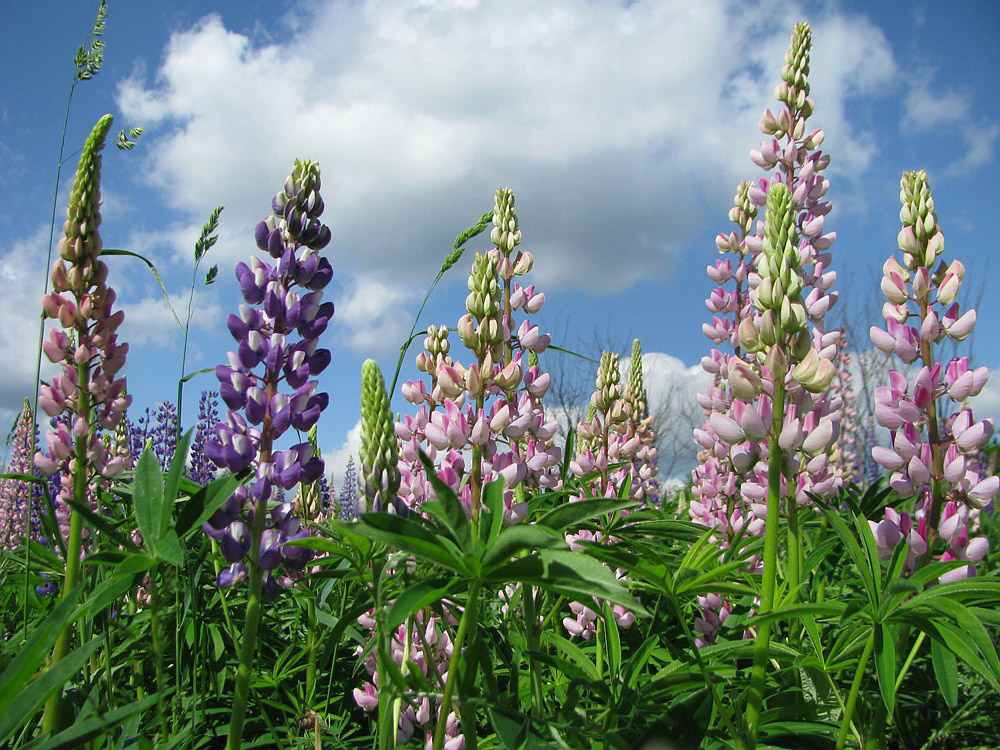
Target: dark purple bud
<point x="275" y="357"/>
<point x="305" y="419"/>
<point x="313" y="329"/>
<point x="215" y="453"/>
<point x="305" y="270"/>
<point x="248" y="357"/>
<point x="286" y="265"/>
<point x="296" y="558"/>
<point x="256" y="405"/>
<point x="212" y="531"/>
<point x="237" y="327"/>
<point x="275" y="244"/>
<point x="272" y="304"/>
<point x="234" y="399"/>
<point x="322" y="239"/>
<point x="260" y="489"/>
<point x="312" y="470"/>
<point x="281" y="513"/>
<point x="234" y="574"/>
<point x="298" y="377"/>
<point x="319" y="361"/>
<point x="270" y="587"/>
<point x="270" y="549"/>
<point x="226" y="513"/>
<point x="260" y="233"/>
<point x="281" y="413"/>
<point x="278" y="203"/>
<point x="235" y="543"/>
<point x="252" y="293"/>
<point x="322" y="277"/>
<point x="293" y="315"/>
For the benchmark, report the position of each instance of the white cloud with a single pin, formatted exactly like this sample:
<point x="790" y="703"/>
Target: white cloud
<point x="374" y="316"/>
<point x="949" y="115"/>
<point x="150" y="320"/>
<point x="619" y="127"/>
<point x="336" y="460"/>
<point x="22" y="275"/>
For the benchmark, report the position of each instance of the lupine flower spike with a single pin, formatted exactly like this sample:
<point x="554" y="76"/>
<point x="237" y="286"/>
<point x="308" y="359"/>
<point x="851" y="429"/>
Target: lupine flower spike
<point x="268" y="390"/>
<point x="931" y="454"/>
<point x="87" y="394"/>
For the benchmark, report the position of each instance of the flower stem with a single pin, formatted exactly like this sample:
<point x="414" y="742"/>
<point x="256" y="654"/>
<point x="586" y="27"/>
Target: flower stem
<point x="852" y="697"/>
<point x="471" y="614"/>
<point x="762" y="643"/>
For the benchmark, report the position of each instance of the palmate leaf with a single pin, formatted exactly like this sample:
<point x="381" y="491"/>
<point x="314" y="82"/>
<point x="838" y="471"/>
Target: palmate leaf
<point x="87" y="729"/>
<point x="516" y="539"/>
<point x="452" y="512"/>
<point x="411" y="536"/>
<point x="573" y="574"/>
<point x="23" y="705"/>
<point x="569" y="514"/>
<point x="416" y="597"/>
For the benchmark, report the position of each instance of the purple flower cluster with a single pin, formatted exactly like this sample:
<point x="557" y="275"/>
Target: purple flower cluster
<point x="267" y="384"/>
<point x="17" y="496"/>
<point x="202" y="471"/>
<point x="347" y="500"/>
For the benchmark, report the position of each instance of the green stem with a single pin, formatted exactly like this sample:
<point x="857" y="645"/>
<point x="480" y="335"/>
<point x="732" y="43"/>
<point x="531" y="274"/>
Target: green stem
<point x="248" y="647"/>
<point x="707" y="676"/>
<point x="471" y="613"/>
<point x="531" y="635"/>
<point x="852" y="697"/>
<point x="154" y="595"/>
<point x="762" y="643"/>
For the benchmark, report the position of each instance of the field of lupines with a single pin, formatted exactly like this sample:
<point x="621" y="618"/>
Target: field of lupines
<point x="475" y="583"/>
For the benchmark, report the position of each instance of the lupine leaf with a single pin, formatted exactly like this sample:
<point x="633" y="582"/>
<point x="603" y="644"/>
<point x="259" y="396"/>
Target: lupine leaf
<point x="570" y="514"/>
<point x="173" y="480"/>
<point x="196" y="509"/>
<point x="416" y="597"/>
<point x="23" y="705"/>
<point x="573" y="574"/>
<point x="515" y="539"/>
<point x="946" y="672"/>
<point x="147" y="494"/>
<point x="454" y="516"/>
<point x="885" y="663"/>
<point x="409" y="536"/>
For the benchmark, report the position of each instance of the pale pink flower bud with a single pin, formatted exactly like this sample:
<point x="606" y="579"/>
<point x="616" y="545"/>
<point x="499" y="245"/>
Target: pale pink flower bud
<point x="982" y="493"/>
<point x="962" y="327"/>
<point x="727" y="429"/>
<point x="883" y="341"/>
<point x="822" y="437"/>
<point x="976" y="549"/>
<point x="886" y="458"/>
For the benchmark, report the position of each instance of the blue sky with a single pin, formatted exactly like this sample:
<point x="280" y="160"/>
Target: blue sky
<point x="622" y="127"/>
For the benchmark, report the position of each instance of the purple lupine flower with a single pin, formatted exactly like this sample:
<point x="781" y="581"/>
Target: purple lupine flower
<point x="347" y="500"/>
<point x="267" y="385"/>
<point x="202" y="471"/>
<point x="19" y="501"/>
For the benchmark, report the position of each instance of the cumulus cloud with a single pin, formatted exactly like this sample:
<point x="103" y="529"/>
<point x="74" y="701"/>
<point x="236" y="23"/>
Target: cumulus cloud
<point x="336" y="460"/>
<point x="372" y="317"/>
<point x="22" y="275"/>
<point x="620" y="128"/>
<point x="949" y="114"/>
